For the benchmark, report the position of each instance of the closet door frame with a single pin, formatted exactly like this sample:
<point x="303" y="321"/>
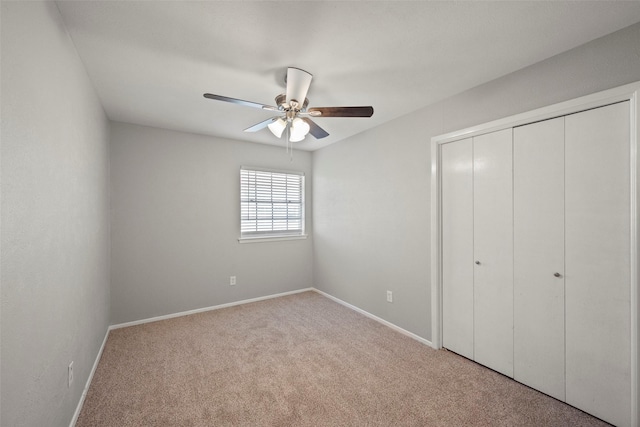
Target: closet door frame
<point x="631" y="93"/>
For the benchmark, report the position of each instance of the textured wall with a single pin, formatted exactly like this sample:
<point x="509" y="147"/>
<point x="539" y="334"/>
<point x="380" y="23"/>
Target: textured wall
<point x="55" y="222"/>
<point x="371" y="192"/>
<point x="176" y="222"/>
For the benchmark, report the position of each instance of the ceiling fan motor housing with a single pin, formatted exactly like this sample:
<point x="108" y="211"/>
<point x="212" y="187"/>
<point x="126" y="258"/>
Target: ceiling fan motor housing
<point x="281" y="102"/>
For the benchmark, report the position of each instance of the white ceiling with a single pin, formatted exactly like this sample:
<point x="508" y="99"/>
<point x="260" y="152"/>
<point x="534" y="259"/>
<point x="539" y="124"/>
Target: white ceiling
<point x="151" y="61"/>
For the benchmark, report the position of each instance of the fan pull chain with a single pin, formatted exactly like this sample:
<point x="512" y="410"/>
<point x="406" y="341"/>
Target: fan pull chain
<point x="286" y="142"/>
<point x="289" y="144"/>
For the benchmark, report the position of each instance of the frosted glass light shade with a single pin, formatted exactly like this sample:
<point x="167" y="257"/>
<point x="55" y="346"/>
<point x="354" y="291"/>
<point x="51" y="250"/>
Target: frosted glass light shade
<point x="299" y="129"/>
<point x="277" y="127"/>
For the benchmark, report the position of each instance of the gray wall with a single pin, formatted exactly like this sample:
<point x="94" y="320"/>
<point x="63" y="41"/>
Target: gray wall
<point x="175" y="211"/>
<point x="174" y="208"/>
<point x="55" y="222"/>
<point x="372" y="192"/>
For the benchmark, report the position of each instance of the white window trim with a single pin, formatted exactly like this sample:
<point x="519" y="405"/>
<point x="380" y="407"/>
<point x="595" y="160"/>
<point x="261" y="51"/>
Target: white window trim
<point x="263" y="239"/>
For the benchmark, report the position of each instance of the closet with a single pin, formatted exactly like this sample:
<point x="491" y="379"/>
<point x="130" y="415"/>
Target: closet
<point x="535" y="253"/>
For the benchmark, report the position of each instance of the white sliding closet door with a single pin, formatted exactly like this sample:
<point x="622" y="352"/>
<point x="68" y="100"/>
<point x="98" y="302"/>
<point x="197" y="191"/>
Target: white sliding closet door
<point x="457" y="247"/>
<point x="493" y="250"/>
<point x="597" y="228"/>
<point x="538" y="240"/>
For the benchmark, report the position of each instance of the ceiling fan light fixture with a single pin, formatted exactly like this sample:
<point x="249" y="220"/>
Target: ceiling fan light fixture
<point x="277" y="127"/>
<point x="299" y="129"/>
<point x="292" y="104"/>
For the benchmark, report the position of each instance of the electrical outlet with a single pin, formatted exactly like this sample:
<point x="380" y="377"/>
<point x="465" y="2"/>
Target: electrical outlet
<point x="232" y="280"/>
<point x="70" y="374"/>
<point x="389" y="296"/>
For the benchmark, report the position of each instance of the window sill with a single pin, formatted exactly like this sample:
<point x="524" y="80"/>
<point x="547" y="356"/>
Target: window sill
<point x="263" y="239"/>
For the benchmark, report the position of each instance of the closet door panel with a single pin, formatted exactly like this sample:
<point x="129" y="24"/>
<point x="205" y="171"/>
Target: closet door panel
<point x="598" y="262"/>
<point x="457" y="247"/>
<point x="493" y="250"/>
<point x="538" y="192"/>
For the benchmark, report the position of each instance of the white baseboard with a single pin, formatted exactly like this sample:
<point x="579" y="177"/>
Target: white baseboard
<point x="88" y="383"/>
<point x="376" y="318"/>
<point x="201" y="310"/>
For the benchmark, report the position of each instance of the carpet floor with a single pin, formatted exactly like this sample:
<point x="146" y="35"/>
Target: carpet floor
<point x="300" y="360"/>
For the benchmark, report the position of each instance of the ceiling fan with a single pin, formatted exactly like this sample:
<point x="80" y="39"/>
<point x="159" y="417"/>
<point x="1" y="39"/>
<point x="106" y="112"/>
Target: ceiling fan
<point x="294" y="116"/>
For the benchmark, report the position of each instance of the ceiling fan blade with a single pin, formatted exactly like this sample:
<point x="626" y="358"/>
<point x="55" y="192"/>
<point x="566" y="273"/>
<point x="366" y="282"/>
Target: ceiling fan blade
<point x="314" y="129"/>
<point x="261" y="125"/>
<point x="340" y="111"/>
<point x="240" y="102"/>
<point x="298" y="82"/>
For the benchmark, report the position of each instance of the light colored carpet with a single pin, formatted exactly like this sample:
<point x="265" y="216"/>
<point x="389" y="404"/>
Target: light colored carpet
<point x="300" y="360"/>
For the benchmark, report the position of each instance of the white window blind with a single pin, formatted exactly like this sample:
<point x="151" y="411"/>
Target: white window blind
<point x="271" y="203"/>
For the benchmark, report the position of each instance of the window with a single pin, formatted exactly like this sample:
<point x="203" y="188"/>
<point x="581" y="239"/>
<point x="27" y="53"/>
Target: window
<point x="271" y="203"/>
